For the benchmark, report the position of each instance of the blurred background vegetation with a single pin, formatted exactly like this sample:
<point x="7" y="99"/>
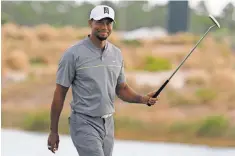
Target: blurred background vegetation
<point x="62" y="13"/>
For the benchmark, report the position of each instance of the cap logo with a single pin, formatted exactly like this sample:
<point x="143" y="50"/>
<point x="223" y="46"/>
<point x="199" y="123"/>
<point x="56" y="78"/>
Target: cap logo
<point x="106" y="10"/>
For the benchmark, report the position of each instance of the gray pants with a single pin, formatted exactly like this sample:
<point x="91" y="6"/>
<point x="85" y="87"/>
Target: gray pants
<point x="92" y="136"/>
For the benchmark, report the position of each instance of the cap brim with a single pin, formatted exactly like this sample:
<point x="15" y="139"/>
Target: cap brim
<point x="101" y="17"/>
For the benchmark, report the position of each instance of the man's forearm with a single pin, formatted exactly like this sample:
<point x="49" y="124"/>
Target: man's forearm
<point x="56" y="108"/>
<point x="55" y="115"/>
<point x="130" y="96"/>
<point x="127" y="94"/>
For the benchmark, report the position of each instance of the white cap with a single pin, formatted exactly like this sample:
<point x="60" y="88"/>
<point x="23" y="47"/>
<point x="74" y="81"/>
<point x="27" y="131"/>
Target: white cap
<point x="102" y="11"/>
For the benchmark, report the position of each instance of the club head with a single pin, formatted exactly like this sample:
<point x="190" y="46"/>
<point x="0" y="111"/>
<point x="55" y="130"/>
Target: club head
<point x="215" y="21"/>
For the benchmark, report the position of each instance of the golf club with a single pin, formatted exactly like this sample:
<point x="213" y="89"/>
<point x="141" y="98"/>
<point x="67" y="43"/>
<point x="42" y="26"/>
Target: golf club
<point x="216" y="23"/>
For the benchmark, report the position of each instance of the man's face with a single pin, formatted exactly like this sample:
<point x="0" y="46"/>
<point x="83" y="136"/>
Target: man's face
<point x="101" y="28"/>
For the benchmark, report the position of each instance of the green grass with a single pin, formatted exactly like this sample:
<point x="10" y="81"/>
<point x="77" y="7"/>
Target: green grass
<point x="37" y="61"/>
<point x="128" y="123"/>
<point x="179" y="127"/>
<point x="213" y="126"/>
<point x="156" y="64"/>
<point x="231" y="132"/>
<point x="126" y="127"/>
<point x="131" y="42"/>
<point x="208" y="127"/>
<point x="38" y="121"/>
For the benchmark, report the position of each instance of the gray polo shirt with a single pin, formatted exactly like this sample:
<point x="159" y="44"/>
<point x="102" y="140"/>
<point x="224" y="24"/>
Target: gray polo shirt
<point x="93" y="76"/>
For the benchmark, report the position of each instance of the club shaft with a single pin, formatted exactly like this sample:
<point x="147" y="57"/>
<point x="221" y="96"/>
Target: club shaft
<point x="190" y="53"/>
<point x="166" y="82"/>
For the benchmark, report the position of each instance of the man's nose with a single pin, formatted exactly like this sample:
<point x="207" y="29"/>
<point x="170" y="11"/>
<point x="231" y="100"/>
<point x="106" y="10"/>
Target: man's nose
<point x="105" y="25"/>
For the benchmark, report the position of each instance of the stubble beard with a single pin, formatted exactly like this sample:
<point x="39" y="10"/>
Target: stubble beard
<point x="101" y="38"/>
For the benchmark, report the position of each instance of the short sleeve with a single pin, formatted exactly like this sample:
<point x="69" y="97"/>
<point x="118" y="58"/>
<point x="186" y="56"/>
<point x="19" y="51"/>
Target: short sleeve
<point x="66" y="69"/>
<point x="121" y="77"/>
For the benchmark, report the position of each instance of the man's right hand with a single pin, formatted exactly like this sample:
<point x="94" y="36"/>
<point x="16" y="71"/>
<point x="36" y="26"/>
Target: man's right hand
<point x="53" y="142"/>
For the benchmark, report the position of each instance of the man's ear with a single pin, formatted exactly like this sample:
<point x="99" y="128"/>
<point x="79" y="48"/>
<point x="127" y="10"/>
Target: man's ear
<point x="89" y="23"/>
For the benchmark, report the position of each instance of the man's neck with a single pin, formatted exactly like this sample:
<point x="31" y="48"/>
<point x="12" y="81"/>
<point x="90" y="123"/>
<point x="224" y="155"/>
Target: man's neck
<point x="97" y="42"/>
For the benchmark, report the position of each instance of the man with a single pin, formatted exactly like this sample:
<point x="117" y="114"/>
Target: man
<point x="94" y="68"/>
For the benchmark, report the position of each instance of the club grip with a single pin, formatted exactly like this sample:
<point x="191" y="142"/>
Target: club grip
<point x="159" y="90"/>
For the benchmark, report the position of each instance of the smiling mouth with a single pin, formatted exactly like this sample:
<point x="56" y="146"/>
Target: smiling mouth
<point x="103" y="32"/>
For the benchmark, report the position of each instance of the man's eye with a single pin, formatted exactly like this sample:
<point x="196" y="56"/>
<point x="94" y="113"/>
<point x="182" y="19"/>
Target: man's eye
<point x="104" y="22"/>
<point x="98" y="22"/>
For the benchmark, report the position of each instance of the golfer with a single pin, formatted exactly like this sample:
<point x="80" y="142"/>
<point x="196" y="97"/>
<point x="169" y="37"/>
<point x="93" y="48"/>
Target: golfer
<point x="94" y="69"/>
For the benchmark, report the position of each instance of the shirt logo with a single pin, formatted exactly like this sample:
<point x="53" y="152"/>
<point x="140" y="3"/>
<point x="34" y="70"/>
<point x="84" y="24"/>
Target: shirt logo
<point x="106" y="10"/>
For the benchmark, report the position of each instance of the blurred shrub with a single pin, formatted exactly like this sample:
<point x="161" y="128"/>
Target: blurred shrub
<point x="222" y="81"/>
<point x="46" y="32"/>
<point x="205" y="94"/>
<point x="196" y="80"/>
<point x="230" y="99"/>
<point x="156" y="64"/>
<point x="231" y="132"/>
<point x="185" y="127"/>
<point x="17" y="60"/>
<point x="213" y="126"/>
<point x="4" y="18"/>
<point x="38" y="61"/>
<point x="131" y="42"/>
<point x="220" y="34"/>
<point x="12" y="31"/>
<point x="224" y="50"/>
<point x="180" y="98"/>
